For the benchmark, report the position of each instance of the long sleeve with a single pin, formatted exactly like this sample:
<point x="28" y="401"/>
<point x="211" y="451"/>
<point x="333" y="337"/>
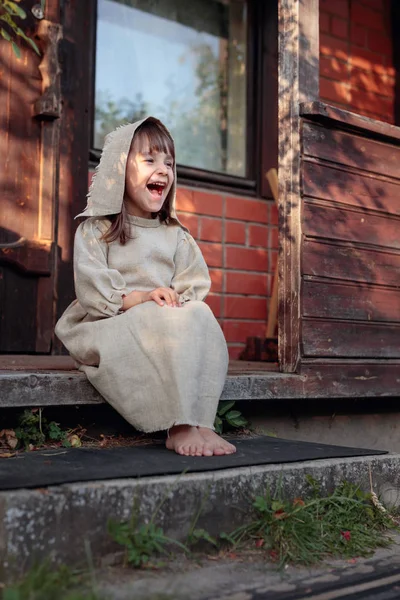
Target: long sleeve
<point x="191" y="279"/>
<point x="98" y="288"/>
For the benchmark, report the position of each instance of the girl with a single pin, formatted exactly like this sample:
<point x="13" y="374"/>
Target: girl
<point x="139" y="328"/>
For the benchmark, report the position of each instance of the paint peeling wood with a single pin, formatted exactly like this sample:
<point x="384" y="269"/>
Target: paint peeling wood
<point x="350" y="301"/>
<point x="350" y="262"/>
<point x="325" y="220"/>
<point x="347" y="339"/>
<point x="345" y="119"/>
<point x="345" y="185"/>
<point x="349" y="149"/>
<point x="298" y="81"/>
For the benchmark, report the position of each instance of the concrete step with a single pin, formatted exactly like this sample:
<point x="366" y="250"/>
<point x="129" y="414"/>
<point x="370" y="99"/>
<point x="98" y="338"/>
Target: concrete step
<point x="56" y="521"/>
<point x="53" y="380"/>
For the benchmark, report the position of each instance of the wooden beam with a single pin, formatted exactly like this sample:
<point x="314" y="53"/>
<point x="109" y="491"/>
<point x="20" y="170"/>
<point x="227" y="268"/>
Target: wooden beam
<point x="298" y="81"/>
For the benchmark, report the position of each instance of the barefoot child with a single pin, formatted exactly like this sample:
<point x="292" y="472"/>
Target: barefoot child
<point x="139" y="328"/>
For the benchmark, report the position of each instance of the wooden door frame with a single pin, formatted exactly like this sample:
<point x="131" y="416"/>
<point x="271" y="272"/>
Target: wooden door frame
<point x="298" y="81"/>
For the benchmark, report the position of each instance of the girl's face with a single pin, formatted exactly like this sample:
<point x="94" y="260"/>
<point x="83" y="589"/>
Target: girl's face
<point x="149" y="177"/>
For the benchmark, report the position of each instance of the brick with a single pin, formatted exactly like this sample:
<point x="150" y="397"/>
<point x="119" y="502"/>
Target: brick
<point x="332" y="68"/>
<point x="273" y="261"/>
<point x="379" y="42"/>
<point x="212" y="253"/>
<point x="214" y="302"/>
<point x="367" y="60"/>
<point x="274" y="238"/>
<point x="358" y="34"/>
<point x="235" y="233"/>
<point x="340" y="28"/>
<point x="239" y="331"/>
<point x="273" y="214"/>
<point x="366" y="16"/>
<point x="248" y="259"/>
<point x="256" y="284"/>
<point x="202" y="203"/>
<point x="258" y="235"/>
<point x="331" y="46"/>
<point x="339" y="8"/>
<point x="239" y="307"/>
<point x="247" y="210"/>
<point x="324" y="22"/>
<point x="334" y="91"/>
<point x="375" y="83"/>
<point x="361" y="100"/>
<point x="191" y="222"/>
<point x="211" y="229"/>
<point x="235" y="351"/>
<point x="208" y="204"/>
<point x="217" y="280"/>
<point x="184" y="200"/>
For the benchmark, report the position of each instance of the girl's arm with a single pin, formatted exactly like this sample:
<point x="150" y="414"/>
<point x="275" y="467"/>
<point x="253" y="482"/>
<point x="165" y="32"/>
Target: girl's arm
<point x="191" y="280"/>
<point x="99" y="289"/>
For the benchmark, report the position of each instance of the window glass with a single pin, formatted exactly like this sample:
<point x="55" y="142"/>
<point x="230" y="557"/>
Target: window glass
<point x="183" y="61"/>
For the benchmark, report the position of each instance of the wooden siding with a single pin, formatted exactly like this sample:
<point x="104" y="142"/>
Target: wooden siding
<point x="350" y="250"/>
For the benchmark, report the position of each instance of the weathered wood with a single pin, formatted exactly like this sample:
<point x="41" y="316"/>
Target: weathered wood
<point x="350" y="149"/>
<point x="76" y="57"/>
<point x="29" y="257"/>
<point x="350" y="262"/>
<point x="338" y="117"/>
<point x="341" y="223"/>
<point x="345" y="186"/>
<point x="298" y="81"/>
<point x="18" y="293"/>
<point x="350" y="301"/>
<point x="346" y="339"/>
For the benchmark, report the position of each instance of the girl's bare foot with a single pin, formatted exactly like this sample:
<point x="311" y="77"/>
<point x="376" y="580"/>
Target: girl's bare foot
<point x="186" y="440"/>
<point x="215" y="443"/>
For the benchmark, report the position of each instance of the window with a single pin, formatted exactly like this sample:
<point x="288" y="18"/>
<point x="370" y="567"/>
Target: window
<point x="184" y="62"/>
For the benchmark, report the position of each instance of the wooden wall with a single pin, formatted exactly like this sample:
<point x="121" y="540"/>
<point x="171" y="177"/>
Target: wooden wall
<point x="350" y="248"/>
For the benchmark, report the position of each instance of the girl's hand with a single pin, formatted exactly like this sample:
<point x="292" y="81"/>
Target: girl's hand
<point x="163" y="296"/>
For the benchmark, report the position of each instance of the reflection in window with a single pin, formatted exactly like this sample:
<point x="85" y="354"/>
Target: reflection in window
<point x="183" y="62"/>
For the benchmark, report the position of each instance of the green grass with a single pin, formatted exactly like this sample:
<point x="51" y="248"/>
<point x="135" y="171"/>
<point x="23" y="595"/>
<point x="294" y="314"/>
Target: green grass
<point x="46" y="582"/>
<point x="308" y="530"/>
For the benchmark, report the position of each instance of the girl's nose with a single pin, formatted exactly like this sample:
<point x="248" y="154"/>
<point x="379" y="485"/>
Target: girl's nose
<point x="162" y="169"/>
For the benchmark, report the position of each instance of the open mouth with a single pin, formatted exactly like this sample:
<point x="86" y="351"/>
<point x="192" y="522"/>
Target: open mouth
<point x="156" y="188"/>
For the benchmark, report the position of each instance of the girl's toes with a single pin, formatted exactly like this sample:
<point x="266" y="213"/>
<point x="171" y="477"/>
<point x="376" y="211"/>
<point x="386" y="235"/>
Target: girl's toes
<point x="207" y="451"/>
<point x="219" y="451"/>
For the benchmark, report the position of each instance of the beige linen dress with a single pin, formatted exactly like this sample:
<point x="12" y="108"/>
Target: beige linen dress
<point x="157" y="366"/>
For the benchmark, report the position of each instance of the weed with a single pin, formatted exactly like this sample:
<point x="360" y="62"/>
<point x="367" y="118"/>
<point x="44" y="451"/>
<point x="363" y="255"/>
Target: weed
<point x="141" y="542"/>
<point x="307" y="530"/>
<point x="45" y="582"/>
<point x="34" y="429"/>
<point x="227" y="417"/>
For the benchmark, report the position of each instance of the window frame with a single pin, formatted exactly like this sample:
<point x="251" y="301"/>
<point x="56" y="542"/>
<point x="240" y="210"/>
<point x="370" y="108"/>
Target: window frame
<point x="261" y="108"/>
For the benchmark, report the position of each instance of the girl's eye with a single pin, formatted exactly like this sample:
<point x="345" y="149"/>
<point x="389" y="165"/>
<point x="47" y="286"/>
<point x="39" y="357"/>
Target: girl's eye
<point x="170" y="165"/>
<point x="149" y="160"/>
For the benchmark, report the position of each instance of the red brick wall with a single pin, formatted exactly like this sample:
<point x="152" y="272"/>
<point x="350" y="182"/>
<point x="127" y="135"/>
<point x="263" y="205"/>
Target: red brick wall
<point x="356" y="66"/>
<point x="239" y="239"/>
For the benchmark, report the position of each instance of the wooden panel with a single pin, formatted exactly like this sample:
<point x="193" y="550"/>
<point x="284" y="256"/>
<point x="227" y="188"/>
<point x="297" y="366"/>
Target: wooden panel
<point x="321" y="181"/>
<point x="298" y="81"/>
<point x="350" y="263"/>
<point x="355" y="302"/>
<point x="17" y="324"/>
<point x="325" y="113"/>
<point x="352" y="340"/>
<point x="350" y="149"/>
<point x="323" y="220"/>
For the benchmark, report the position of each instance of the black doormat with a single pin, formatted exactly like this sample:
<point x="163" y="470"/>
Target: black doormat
<point x="43" y="468"/>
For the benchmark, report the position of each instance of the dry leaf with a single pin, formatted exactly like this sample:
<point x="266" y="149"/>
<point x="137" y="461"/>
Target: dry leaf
<point x="7" y="454"/>
<point x="74" y="440"/>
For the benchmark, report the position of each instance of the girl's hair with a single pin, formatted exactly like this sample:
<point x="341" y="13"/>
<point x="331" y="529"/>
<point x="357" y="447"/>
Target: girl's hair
<point x="150" y="136"/>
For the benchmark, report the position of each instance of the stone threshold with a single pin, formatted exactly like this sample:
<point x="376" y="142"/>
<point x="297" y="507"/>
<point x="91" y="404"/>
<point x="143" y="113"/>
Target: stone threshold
<point x="55" y="521"/>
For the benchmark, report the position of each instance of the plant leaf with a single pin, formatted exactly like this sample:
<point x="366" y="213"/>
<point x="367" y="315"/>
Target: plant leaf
<point x="224" y="407"/>
<point x="5" y="35"/>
